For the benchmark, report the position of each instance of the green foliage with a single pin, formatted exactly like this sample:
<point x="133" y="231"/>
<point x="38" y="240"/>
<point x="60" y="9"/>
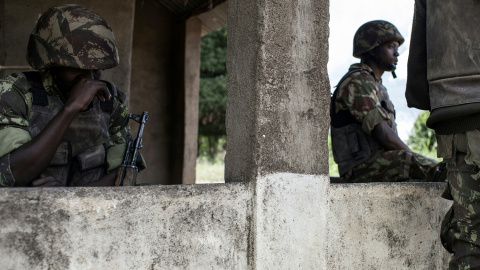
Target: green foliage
<point x="422" y="139"/>
<point x="213" y="93"/>
<point x="332" y="166"/>
<point x="214" y="51"/>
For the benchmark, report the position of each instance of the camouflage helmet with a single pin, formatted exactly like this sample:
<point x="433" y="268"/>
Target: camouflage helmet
<point x="72" y="36"/>
<point x="373" y="34"/>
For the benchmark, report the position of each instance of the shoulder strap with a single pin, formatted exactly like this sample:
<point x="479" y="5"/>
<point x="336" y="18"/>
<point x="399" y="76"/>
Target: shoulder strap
<point x="39" y="94"/>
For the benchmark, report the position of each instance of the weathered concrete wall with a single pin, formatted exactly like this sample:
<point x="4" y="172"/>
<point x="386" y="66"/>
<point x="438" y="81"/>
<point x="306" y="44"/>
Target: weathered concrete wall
<point x="290" y="228"/>
<point x="178" y="227"/>
<point x="386" y="226"/>
<point x="278" y="88"/>
<point x="280" y="221"/>
<point x="19" y="18"/>
<point x="303" y="222"/>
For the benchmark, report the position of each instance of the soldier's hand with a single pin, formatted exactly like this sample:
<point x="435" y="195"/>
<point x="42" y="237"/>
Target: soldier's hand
<point x="47" y="181"/>
<point x="83" y="92"/>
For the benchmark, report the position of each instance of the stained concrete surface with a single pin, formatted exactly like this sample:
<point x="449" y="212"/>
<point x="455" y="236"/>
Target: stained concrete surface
<point x="386" y="226"/>
<point x="290" y="226"/>
<point x="154" y="227"/>
<point x="279" y="221"/>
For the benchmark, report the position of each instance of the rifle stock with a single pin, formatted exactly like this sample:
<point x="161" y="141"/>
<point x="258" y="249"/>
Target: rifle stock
<point x="126" y="176"/>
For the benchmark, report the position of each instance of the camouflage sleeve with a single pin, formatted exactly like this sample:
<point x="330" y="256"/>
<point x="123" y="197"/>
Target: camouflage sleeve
<point x="119" y="130"/>
<point x="15" y="106"/>
<point x="358" y="95"/>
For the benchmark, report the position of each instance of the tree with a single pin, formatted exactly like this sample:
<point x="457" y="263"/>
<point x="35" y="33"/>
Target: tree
<point x="422" y="139"/>
<point x="213" y="93"/>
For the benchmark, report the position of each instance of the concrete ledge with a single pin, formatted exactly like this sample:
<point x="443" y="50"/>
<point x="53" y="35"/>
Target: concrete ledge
<point x="152" y="227"/>
<point x="386" y="226"/>
<point x="279" y="221"/>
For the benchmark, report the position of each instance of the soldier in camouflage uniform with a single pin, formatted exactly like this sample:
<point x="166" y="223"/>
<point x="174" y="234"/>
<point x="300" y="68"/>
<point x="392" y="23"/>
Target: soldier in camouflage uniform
<point x="444" y="78"/>
<point x="365" y="143"/>
<point x="62" y="125"/>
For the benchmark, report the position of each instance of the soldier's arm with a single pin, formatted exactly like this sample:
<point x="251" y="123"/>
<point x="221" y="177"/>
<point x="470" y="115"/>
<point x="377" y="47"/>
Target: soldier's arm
<point x="387" y="137"/>
<point x="29" y="160"/>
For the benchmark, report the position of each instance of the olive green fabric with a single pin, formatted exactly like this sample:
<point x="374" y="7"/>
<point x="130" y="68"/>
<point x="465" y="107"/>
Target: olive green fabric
<point x="444" y="75"/>
<point x="461" y="225"/>
<point x="361" y="94"/>
<point x="392" y="166"/>
<point x="12" y="138"/>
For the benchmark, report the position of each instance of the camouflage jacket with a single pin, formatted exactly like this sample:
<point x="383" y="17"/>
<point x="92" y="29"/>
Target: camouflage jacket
<point x="444" y="74"/>
<point x="96" y="138"/>
<point x="365" y="98"/>
<point x="359" y="103"/>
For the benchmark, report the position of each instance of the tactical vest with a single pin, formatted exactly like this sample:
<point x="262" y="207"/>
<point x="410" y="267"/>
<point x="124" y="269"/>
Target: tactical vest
<point x="351" y="146"/>
<point x="81" y="156"/>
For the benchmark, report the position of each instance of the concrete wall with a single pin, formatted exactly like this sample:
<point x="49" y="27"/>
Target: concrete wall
<point x="180" y="227"/>
<point x="283" y="221"/>
<point x="386" y="226"/>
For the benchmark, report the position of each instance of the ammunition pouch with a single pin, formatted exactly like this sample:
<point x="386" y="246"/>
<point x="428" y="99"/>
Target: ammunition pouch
<point x="351" y="146"/>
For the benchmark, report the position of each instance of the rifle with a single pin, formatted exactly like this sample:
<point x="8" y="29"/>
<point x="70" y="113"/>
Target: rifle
<point x="127" y="172"/>
<point x="438" y="172"/>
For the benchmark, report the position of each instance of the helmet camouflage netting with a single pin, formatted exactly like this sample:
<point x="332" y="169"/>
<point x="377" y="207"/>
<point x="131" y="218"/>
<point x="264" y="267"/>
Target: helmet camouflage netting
<point x="373" y="34"/>
<point x="72" y="36"/>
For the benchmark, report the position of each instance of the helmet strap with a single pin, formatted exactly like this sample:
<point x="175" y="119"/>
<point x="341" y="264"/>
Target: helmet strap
<point x="385" y="65"/>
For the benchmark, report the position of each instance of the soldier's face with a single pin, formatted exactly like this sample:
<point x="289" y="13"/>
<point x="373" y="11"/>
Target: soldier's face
<point x="388" y="54"/>
<point x="66" y="77"/>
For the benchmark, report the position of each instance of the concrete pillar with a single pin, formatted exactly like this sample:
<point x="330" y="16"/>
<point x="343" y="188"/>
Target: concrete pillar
<point x="278" y="88"/>
<point x="186" y="87"/>
<point x="277" y="126"/>
<point x="192" y="87"/>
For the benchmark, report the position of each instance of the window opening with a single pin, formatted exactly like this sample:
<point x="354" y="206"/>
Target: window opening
<point x="212" y="105"/>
